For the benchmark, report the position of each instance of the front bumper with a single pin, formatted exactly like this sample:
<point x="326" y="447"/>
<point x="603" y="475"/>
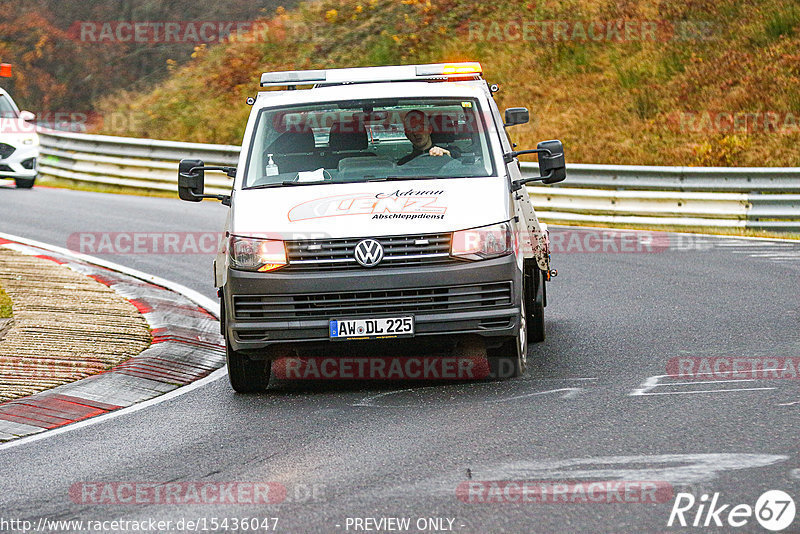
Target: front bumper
<point x="12" y="166"/>
<point x="264" y="310"/>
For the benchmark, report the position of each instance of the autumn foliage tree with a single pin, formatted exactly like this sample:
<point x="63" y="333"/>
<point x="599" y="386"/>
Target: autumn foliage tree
<point x="54" y="70"/>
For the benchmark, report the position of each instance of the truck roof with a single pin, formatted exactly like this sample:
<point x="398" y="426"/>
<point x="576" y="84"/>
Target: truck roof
<point x="432" y="72"/>
<point x="378" y="90"/>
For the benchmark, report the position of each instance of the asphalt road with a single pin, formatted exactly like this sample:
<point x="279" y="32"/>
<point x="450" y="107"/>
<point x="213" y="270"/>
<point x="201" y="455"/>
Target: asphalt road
<point x="589" y="409"/>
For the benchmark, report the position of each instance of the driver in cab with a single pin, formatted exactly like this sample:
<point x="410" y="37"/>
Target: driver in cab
<point x="417" y="127"/>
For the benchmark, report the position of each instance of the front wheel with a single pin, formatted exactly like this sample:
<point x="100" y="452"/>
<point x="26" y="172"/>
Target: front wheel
<point x="24" y="183"/>
<point x="511" y="359"/>
<point x="246" y="375"/>
<point x="534" y="296"/>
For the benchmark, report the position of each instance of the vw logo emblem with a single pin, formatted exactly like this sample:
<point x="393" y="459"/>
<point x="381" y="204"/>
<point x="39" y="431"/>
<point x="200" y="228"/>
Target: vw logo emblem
<point x="369" y="253"/>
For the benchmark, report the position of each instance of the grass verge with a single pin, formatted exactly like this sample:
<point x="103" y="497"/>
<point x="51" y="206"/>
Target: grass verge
<point x="62" y="183"/>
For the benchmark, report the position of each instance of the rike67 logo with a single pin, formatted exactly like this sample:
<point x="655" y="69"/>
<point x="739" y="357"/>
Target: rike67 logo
<point x="774" y="510"/>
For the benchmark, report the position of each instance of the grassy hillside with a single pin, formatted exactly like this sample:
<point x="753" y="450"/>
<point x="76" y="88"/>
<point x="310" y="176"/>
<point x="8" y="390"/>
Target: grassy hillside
<point x="674" y="90"/>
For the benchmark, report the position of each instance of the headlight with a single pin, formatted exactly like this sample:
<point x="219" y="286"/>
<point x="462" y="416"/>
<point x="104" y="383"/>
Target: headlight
<point x="30" y="140"/>
<point x="482" y="243"/>
<point x="262" y="255"/>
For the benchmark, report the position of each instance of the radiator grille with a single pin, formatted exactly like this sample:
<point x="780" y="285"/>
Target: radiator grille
<point x="398" y="251"/>
<point x="367" y="303"/>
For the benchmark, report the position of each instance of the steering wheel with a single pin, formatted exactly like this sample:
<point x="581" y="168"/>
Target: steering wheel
<point x="425" y="158"/>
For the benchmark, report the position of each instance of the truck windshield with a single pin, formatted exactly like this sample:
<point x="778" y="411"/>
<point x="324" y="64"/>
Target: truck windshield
<point x="366" y="140"/>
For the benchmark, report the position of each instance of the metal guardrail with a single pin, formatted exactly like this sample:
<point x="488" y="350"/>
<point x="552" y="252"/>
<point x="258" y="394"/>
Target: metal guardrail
<point x="758" y="198"/>
<point x="131" y="162"/>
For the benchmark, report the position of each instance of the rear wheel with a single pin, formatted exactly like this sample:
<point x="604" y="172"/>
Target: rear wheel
<point x="24" y="183"/>
<point x="511" y="359"/>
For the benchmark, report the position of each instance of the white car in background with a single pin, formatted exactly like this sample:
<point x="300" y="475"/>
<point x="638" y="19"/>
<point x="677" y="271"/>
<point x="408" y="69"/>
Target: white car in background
<point x="19" y="143"/>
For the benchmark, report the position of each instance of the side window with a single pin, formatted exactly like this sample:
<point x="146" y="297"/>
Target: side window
<point x="498" y="122"/>
<point x="514" y="170"/>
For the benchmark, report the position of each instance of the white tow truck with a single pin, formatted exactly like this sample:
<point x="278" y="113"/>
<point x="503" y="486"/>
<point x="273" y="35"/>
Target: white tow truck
<point x="379" y="204"/>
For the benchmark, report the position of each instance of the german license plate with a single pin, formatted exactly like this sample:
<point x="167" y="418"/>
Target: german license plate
<point x="384" y="327"/>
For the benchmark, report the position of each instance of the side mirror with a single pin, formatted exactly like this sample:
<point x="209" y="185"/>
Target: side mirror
<point x="552" y="167"/>
<point x="514" y="116"/>
<point x="191" y="180"/>
<point x="26" y="116"/>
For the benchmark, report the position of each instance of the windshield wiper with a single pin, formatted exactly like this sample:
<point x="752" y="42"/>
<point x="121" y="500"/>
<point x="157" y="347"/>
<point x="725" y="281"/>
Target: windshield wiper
<point x="401" y="178"/>
<point x="285" y="183"/>
<point x="382" y="179"/>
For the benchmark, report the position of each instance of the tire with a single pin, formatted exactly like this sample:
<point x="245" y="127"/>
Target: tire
<point x="534" y="296"/>
<point x="246" y="375"/>
<point x="222" y="314"/>
<point x="24" y="183"/>
<point x="511" y="359"/>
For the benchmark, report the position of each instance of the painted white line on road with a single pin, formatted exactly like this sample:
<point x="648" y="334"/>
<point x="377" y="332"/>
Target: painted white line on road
<point x="198" y="298"/>
<point x="703" y="391"/>
<point x="752" y="371"/>
<point x="708" y="382"/>
<point x="216" y="375"/>
<point x="717" y="373"/>
<point x="789" y="255"/>
<point x="562" y="379"/>
<point x="763" y="244"/>
<point x="653" y="382"/>
<point x="369" y="402"/>
<point x="570" y="392"/>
